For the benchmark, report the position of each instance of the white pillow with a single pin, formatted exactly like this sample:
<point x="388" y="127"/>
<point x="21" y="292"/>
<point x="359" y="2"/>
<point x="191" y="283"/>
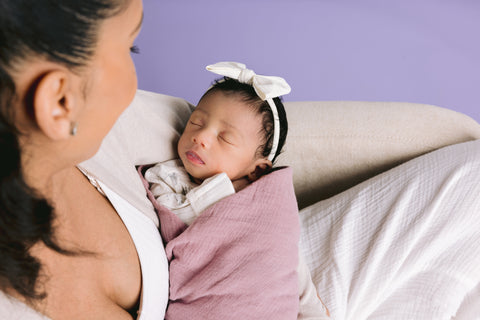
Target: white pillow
<point x="147" y="132"/>
<point x="333" y="145"/>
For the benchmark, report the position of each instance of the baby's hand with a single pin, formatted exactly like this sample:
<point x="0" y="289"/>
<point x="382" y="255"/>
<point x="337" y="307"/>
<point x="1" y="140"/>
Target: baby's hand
<point x="239" y="184"/>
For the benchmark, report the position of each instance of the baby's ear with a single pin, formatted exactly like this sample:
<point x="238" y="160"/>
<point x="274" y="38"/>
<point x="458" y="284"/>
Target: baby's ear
<point x="262" y="166"/>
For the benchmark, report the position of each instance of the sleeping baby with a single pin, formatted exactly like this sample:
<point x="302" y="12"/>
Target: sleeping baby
<point x="229" y="221"/>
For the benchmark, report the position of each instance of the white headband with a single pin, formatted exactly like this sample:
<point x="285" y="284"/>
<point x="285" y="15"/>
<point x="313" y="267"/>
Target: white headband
<point x="266" y="87"/>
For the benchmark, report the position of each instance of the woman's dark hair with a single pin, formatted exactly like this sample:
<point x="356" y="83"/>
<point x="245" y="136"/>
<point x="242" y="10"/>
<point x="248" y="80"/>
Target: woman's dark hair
<point x="246" y="93"/>
<point x="62" y="31"/>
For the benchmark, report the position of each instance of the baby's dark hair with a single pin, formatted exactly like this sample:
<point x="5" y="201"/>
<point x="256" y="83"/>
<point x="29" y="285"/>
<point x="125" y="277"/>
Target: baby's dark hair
<point x="246" y="93"/>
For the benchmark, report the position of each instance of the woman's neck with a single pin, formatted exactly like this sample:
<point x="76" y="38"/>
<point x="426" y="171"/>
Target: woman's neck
<point x="43" y="169"/>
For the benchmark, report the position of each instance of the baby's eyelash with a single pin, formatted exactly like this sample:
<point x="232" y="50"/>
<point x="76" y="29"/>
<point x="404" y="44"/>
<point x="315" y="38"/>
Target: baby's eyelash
<point x="134" y="49"/>
<point x="227" y="141"/>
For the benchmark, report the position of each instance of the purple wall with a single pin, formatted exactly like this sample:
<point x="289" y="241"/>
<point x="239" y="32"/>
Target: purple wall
<point x="425" y="51"/>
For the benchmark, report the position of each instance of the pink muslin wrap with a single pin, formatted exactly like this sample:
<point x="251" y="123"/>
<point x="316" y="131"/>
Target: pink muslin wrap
<point x="238" y="259"/>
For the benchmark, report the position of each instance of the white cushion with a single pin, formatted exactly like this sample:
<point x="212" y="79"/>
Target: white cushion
<point x="147" y="132"/>
<point x="333" y="145"/>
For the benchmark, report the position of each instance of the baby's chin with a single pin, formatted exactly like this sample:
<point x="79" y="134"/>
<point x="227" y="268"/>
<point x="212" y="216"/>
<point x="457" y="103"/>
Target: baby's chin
<point x="195" y="178"/>
<point x="198" y="175"/>
<point x="198" y="179"/>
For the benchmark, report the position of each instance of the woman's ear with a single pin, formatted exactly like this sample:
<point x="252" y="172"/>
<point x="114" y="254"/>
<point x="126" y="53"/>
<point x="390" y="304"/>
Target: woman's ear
<point x="53" y="104"/>
<point x="262" y="166"/>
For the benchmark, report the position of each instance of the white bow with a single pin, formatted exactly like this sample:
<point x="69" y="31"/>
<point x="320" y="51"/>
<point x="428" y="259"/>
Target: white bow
<point x="266" y="87"/>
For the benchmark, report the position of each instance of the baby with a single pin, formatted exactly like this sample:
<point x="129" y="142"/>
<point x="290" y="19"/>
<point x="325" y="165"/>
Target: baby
<point x="227" y="143"/>
<point x="231" y="140"/>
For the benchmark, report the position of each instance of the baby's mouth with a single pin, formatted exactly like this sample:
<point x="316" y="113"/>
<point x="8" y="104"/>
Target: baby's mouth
<point x="194" y="158"/>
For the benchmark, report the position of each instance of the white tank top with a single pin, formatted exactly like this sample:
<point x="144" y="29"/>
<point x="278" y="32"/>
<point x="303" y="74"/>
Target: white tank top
<point x="151" y="253"/>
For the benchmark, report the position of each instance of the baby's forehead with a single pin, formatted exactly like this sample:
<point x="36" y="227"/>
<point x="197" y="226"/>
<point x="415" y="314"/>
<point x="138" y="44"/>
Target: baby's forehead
<point x="245" y="113"/>
<point x="225" y="105"/>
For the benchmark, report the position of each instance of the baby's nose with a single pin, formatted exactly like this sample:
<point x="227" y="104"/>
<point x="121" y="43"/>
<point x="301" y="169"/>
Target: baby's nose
<point x="203" y="138"/>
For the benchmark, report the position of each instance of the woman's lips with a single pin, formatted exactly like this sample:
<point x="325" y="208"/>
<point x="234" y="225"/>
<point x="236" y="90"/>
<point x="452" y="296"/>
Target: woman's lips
<point x="194" y="158"/>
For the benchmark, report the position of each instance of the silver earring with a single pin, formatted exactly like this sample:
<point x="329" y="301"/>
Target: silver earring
<point x="73" y="128"/>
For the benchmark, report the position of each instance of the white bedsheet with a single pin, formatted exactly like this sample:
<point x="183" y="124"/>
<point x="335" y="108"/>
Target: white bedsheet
<point x="403" y="245"/>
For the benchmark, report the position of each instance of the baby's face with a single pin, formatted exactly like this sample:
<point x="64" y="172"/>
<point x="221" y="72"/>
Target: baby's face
<point x="222" y="135"/>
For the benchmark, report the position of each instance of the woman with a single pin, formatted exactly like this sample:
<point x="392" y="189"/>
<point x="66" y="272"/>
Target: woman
<point x="66" y="75"/>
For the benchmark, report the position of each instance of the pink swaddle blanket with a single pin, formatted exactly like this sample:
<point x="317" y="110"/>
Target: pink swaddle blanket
<point x="238" y="259"/>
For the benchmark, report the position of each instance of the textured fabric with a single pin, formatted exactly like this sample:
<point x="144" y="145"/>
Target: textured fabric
<point x="171" y="186"/>
<point x="470" y="307"/>
<point x="402" y="245"/>
<point x="238" y="259"/>
<point x="311" y="306"/>
<point x="266" y="87"/>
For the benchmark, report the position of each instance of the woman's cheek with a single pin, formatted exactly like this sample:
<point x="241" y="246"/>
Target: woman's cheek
<point x="133" y="77"/>
<point x="126" y="83"/>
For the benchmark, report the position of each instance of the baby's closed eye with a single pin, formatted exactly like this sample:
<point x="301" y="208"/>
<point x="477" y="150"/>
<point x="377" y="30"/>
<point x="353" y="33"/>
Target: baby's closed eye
<point x="228" y="138"/>
<point x="195" y="123"/>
